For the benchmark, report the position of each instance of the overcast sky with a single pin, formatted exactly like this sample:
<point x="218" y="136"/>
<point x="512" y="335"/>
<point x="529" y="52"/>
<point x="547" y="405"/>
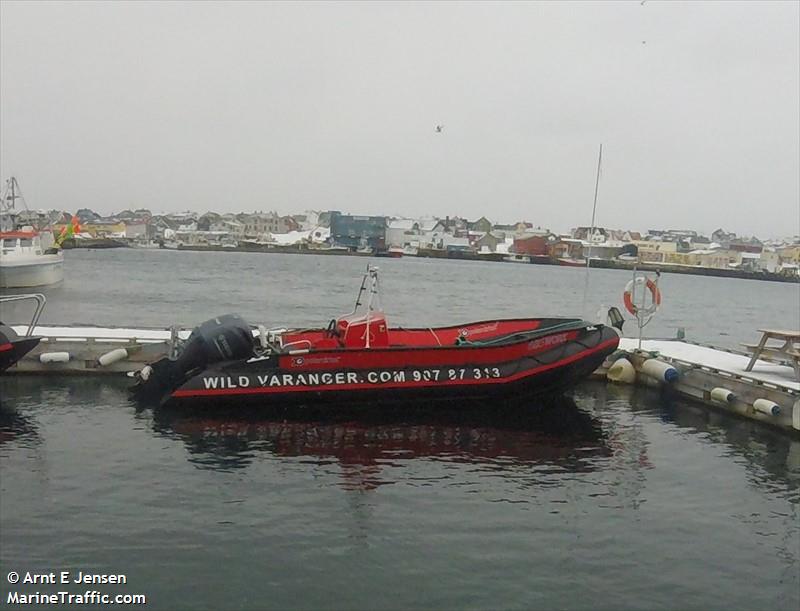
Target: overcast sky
<point x="238" y="107"/>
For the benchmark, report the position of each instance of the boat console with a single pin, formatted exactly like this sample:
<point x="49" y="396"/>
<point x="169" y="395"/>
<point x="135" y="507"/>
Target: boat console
<point x="363" y="330"/>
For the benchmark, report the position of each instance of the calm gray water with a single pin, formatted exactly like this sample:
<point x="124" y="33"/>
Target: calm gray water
<point x="613" y="497"/>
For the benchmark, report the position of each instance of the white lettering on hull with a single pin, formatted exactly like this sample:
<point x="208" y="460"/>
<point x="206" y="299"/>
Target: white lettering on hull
<point x="380" y="377"/>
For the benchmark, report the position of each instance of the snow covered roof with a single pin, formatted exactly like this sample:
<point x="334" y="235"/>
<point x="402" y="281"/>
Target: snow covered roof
<point x="401" y="224"/>
<point x="427" y="224"/>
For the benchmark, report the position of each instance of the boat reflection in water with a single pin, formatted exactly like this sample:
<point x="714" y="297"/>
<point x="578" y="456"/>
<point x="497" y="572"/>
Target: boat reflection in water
<point x="554" y="431"/>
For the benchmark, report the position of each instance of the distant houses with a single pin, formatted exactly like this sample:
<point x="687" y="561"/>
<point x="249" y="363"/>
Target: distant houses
<point x="334" y="229"/>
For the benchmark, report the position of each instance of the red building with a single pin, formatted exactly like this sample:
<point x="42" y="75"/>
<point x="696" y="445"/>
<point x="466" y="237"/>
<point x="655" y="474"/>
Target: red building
<point x="533" y="245"/>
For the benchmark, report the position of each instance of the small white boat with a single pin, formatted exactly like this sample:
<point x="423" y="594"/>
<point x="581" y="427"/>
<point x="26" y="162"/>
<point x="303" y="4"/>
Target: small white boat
<point x="570" y="262"/>
<point x="517" y="258"/>
<point x="24" y="263"/>
<point x="24" y="260"/>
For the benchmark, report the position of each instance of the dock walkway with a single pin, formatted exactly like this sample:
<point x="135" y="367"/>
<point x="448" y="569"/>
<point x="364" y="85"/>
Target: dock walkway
<point x="730" y="362"/>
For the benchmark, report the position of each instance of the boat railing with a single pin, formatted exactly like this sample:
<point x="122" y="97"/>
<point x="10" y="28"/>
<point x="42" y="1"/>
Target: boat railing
<point x="40" y="300"/>
<point x="301" y="344"/>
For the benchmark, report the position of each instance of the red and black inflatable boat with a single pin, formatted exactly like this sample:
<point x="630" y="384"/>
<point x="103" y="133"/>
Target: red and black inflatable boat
<point x="359" y="357"/>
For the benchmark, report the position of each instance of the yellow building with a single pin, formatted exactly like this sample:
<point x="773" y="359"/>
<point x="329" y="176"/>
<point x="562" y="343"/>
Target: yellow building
<point x="652" y="251"/>
<point x="680" y="258"/>
<point x="790" y="254"/>
<point x="718" y="258"/>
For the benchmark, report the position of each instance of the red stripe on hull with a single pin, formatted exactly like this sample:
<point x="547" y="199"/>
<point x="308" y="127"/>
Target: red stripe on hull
<point x="410" y="384"/>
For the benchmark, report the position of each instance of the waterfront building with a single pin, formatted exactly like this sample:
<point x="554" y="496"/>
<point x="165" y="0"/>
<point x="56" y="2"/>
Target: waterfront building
<point x="136" y="229"/>
<point x="402" y="232"/>
<point x="565" y="248"/>
<point x="654" y="251"/>
<point x="487" y="242"/>
<point x="535" y="245"/>
<point x="358" y="231"/>
<point x="790" y="254"/>
<point x="260" y="223"/>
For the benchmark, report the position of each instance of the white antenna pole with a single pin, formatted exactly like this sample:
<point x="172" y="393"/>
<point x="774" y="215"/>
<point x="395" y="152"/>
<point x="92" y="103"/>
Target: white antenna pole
<point x="591" y="231"/>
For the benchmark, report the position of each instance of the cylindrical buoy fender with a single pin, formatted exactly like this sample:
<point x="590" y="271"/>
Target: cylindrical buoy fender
<point x="661" y="371"/>
<point x="54" y="357"/>
<point x="112" y="356"/>
<point x="722" y="395"/>
<point x="622" y="371"/>
<point x="765" y="406"/>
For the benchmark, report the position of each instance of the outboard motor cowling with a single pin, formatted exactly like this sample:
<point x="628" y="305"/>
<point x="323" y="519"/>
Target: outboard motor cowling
<point x="224" y="338"/>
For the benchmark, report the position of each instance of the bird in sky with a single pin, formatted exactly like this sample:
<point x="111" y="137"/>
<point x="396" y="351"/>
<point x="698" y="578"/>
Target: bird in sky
<point x="439" y="129"/>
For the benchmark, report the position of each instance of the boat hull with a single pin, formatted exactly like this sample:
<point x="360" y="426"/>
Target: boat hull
<point x="572" y="262"/>
<point x="44" y="270"/>
<point x="548" y="364"/>
<point x="13" y="347"/>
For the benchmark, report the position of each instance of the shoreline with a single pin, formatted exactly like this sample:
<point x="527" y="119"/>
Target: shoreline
<point x="500" y="258"/>
<point x="462" y="256"/>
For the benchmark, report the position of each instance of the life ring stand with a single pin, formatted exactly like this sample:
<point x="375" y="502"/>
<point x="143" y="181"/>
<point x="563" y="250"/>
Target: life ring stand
<point x="627" y="297"/>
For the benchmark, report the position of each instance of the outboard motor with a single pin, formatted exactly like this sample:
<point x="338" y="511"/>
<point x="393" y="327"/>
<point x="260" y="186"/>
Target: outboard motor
<point x="225" y="338"/>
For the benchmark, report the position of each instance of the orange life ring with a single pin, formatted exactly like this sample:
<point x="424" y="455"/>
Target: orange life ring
<point x="654" y="292"/>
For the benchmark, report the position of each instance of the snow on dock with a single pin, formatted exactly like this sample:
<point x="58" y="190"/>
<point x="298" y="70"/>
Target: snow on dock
<point x="82" y="334"/>
<point x="724" y="361"/>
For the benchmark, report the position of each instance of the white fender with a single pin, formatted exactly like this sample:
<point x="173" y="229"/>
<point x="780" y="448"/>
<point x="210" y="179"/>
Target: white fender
<point x="54" y="357"/>
<point x="661" y="371"/>
<point x="722" y="395"/>
<point x="622" y="371"/>
<point x="112" y="356"/>
<point x="765" y="406"/>
<point x="796" y="415"/>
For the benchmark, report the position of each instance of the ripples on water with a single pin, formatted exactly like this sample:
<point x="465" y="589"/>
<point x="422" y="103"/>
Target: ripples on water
<point x="614" y="497"/>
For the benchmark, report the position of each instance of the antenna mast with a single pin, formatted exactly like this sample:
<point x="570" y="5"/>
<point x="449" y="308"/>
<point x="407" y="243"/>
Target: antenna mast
<point x="591" y="231"/>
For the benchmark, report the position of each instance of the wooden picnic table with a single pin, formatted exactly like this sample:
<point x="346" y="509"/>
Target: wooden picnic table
<point x="787" y="351"/>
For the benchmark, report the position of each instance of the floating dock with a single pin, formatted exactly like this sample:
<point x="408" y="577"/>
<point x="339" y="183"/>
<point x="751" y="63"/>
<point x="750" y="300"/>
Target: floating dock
<point x="95" y="350"/>
<point x="716" y="377"/>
